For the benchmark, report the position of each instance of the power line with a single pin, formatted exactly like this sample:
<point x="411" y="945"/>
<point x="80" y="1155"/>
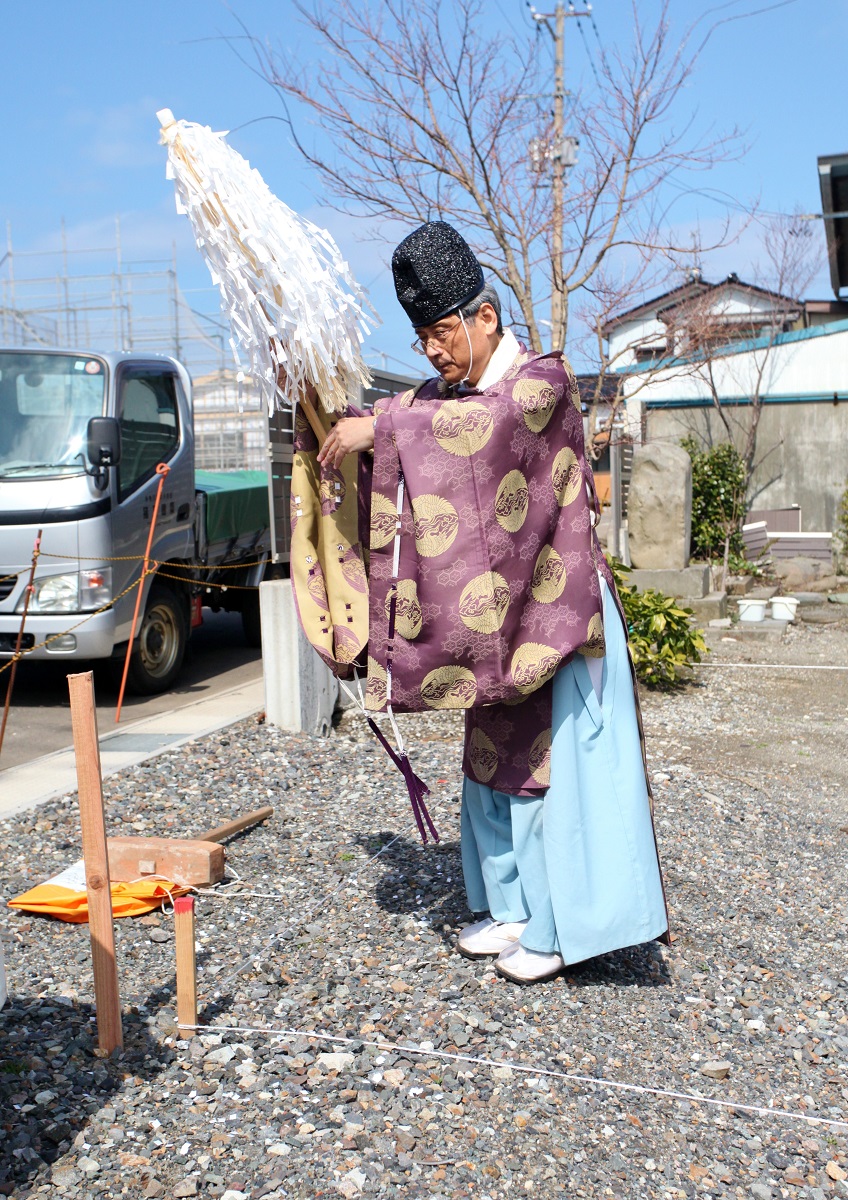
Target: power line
<point x="588" y="51"/>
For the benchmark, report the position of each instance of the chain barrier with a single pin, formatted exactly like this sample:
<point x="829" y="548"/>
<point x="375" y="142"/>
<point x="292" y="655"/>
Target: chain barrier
<point x="154" y="570"/>
<point x="258" y="562"/>
<point x="227" y="587"/>
<point x="54" y="637"/>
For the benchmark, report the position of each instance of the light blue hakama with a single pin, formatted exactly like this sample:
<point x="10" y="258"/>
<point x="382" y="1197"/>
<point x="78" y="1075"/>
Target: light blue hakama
<point x="580" y="863"/>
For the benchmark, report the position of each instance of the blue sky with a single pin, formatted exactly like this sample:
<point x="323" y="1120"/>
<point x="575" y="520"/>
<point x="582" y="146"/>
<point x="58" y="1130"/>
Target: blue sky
<point x="81" y="83"/>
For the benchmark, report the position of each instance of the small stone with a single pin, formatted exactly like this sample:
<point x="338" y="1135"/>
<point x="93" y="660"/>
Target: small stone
<point x="281" y="1149"/>
<point x="233" y="1194"/>
<point x="159" y="935"/>
<point x="223" y="1054"/>
<point x="66" y="1176"/>
<point x="90" y="1166"/>
<point x="521" y="1120"/>
<point x="835" y="1172"/>
<point x="154" y="1189"/>
<point x="394" y="1077"/>
<point x="46" y="1097"/>
<point x="188" y="1187"/>
<point x="502" y="1073"/>
<point x="717" y="1069"/>
<point x="761" y="1191"/>
<point x="336" y="1061"/>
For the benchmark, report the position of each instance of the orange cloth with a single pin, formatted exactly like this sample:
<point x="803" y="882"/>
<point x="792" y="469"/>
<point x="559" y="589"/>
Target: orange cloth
<point x="128" y="899"/>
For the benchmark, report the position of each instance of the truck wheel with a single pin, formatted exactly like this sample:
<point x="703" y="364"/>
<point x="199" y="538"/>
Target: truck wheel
<point x="250" y="621"/>
<point x="161" y="645"/>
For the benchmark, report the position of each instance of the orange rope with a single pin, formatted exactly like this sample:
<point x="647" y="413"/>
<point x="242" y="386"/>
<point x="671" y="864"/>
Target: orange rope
<point x="162" y="470"/>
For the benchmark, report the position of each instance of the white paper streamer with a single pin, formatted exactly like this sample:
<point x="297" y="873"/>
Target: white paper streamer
<point x="280" y="277"/>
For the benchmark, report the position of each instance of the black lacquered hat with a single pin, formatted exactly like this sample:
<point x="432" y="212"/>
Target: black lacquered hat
<point x="435" y="272"/>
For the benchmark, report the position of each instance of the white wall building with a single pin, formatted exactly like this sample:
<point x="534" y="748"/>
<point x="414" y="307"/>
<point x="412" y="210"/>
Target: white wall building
<point x="683" y="354"/>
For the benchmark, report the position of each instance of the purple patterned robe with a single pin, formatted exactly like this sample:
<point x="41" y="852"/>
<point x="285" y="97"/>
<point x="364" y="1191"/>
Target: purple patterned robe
<point x="497" y="581"/>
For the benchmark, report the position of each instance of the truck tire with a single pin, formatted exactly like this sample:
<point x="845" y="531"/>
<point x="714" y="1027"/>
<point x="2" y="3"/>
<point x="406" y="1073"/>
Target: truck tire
<point x="250" y="621"/>
<point x="161" y="643"/>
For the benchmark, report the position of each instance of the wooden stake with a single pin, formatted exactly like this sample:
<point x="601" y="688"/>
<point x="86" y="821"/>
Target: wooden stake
<point x="87" y="752"/>
<point x="186" y="965"/>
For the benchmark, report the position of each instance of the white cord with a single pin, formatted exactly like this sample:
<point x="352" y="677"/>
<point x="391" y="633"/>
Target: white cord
<point x="523" y="1068"/>
<point x="470" y="351"/>
<point x="772" y="666"/>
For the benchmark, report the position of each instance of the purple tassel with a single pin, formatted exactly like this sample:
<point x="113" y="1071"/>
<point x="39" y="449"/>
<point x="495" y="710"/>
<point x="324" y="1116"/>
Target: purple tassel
<point x="416" y="786"/>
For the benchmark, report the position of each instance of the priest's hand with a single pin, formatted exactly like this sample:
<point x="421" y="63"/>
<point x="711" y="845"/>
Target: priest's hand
<point x="347" y="436"/>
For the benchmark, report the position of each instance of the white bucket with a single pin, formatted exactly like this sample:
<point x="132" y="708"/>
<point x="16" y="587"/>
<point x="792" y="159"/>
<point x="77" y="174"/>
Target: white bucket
<point x="752" y="610"/>
<point x="783" y="608"/>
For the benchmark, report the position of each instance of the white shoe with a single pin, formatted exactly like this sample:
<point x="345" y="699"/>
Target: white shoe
<point x="528" y="966"/>
<point x="489" y="938"/>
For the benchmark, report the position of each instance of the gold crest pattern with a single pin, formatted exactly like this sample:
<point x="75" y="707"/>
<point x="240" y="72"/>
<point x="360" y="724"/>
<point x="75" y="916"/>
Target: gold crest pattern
<point x="484" y="602"/>
<point x="540" y="759"/>
<point x="462" y="427"/>
<point x="549" y="577"/>
<point x="383" y="520"/>
<point x="408" y="619"/>
<point x="436" y="525"/>
<point x="512" y="501"/>
<point x="449" y="687"/>
<point x="595" y="645"/>
<point x="375" y="691"/>
<point x="566" y="477"/>
<point x="532" y="665"/>
<point x="538" y="399"/>
<point x="483" y="755"/>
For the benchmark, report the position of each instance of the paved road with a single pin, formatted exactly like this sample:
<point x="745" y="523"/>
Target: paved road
<point x="40" y="718"/>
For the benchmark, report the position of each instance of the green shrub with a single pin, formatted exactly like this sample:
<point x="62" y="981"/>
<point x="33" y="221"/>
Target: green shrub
<point x="718" y="498"/>
<point x="663" y="639"/>
<point x="842" y="529"/>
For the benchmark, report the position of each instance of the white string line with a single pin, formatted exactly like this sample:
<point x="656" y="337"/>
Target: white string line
<point x="522" y="1068"/>
<point x="295" y="924"/>
<point x="772" y="666"/>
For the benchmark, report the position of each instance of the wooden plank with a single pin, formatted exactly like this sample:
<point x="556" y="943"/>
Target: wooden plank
<point x="107" y="998"/>
<point x="186" y="964"/>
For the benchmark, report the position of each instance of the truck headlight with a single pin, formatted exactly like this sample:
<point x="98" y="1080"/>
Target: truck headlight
<point x="54" y="593"/>
<point x="78" y="592"/>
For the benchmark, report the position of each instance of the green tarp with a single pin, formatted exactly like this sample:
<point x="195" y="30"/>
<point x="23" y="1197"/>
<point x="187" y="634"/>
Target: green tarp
<point x="236" y="502"/>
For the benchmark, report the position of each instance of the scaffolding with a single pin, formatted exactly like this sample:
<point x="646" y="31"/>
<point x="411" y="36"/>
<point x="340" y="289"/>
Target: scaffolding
<point x="111" y="303"/>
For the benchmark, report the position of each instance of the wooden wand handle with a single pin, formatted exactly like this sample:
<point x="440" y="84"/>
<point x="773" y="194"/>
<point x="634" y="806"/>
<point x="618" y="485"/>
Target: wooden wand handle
<point x="221" y="832"/>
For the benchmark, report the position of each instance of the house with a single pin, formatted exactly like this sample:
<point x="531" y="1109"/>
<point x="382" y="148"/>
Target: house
<point x="709" y="358"/>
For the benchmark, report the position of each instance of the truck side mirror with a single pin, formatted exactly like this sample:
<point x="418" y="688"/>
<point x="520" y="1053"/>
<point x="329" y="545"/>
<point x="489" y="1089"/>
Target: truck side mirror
<point x="104" y="442"/>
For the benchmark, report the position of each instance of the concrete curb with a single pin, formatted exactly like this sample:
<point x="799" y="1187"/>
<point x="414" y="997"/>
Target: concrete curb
<point x="34" y="783"/>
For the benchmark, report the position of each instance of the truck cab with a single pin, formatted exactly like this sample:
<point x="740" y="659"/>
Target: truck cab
<point x="81" y="436"/>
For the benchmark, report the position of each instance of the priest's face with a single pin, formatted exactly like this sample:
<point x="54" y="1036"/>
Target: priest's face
<point x="458" y="353"/>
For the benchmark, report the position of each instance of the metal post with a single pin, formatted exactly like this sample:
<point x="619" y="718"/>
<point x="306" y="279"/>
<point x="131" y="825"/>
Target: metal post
<point x="176" y="300"/>
<point x="11" y="257"/>
<point x="614" y="539"/>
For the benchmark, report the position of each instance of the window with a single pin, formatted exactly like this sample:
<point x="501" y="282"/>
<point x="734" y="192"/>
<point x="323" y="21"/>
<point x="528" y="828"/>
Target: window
<point x="149" y="424"/>
<point x="46" y="402"/>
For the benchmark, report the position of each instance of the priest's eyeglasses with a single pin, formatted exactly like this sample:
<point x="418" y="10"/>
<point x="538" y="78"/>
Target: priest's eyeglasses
<point x="440" y="338"/>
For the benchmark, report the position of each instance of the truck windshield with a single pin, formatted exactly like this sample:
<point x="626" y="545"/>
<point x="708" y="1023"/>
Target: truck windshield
<point x="46" y="402"/>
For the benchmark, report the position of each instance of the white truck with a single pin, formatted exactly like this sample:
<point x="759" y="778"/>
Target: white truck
<point x="81" y="435"/>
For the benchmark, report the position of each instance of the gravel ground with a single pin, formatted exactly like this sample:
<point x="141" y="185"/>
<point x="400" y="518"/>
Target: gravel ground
<point x="751" y="781"/>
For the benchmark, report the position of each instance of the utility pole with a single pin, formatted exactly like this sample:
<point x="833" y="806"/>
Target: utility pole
<point x="558" y="156"/>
